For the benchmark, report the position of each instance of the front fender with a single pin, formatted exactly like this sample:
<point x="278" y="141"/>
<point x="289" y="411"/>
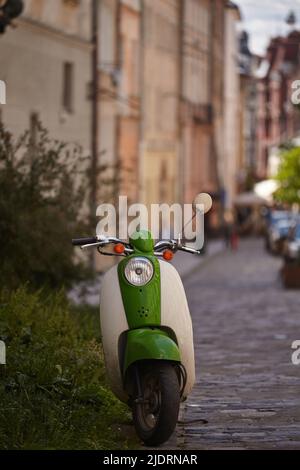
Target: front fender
<point x="148" y="343"/>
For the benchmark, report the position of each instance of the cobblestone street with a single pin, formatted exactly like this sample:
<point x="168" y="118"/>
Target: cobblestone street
<point x="247" y="394"/>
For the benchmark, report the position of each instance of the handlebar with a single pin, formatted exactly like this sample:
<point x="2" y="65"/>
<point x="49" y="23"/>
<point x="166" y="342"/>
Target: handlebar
<point x="100" y="242"/>
<point x="84" y="241"/>
<point x="173" y="245"/>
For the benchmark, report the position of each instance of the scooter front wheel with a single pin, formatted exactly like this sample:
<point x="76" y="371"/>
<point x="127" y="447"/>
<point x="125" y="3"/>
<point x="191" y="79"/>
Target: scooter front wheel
<point x="156" y="405"/>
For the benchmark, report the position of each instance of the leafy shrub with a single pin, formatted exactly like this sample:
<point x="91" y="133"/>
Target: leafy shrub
<point x="288" y="176"/>
<point x="52" y="390"/>
<point x="43" y="194"/>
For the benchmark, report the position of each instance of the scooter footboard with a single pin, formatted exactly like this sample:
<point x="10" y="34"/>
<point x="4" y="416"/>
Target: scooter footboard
<point x="149" y="344"/>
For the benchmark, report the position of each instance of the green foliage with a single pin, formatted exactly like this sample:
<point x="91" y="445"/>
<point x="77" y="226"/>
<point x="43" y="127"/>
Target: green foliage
<point x="42" y="195"/>
<point x="289" y="177"/>
<point x="52" y="390"/>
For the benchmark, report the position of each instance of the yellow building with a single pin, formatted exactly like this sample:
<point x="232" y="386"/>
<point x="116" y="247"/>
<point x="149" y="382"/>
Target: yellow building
<point x="196" y="110"/>
<point x="159" y="142"/>
<point x="232" y="113"/>
<point x="129" y="94"/>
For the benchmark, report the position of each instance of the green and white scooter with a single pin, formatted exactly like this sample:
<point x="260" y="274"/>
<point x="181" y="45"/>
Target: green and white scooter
<point x="146" y="330"/>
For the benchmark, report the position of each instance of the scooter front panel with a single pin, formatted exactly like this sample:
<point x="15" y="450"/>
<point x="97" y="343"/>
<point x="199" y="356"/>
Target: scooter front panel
<point x="142" y="304"/>
<point x="149" y="344"/>
<point x="113" y="323"/>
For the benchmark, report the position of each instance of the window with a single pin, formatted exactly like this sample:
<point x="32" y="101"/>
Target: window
<point x="68" y="87"/>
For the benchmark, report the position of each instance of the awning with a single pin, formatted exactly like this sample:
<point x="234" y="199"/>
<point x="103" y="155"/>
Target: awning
<point x="249" y="199"/>
<point x="266" y="189"/>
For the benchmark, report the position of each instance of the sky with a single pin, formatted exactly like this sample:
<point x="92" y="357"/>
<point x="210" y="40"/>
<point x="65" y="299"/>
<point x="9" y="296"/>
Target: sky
<point x="264" y="19"/>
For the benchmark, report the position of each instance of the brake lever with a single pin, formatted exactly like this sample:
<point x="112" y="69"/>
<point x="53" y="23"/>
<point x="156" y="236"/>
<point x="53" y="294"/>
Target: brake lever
<point x="127" y="251"/>
<point x="189" y="250"/>
<point x="166" y="245"/>
<point x="91" y="245"/>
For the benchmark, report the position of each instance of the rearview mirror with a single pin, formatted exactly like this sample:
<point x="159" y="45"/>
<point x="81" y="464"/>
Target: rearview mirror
<point x="204" y="200"/>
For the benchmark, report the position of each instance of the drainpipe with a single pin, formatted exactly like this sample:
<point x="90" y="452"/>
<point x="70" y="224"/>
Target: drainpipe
<point x="181" y="70"/>
<point x="140" y="169"/>
<point x="215" y="160"/>
<point x="95" y="112"/>
<point x="118" y="167"/>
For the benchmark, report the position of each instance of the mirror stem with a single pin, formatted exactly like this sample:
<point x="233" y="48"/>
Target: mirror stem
<point x="182" y="229"/>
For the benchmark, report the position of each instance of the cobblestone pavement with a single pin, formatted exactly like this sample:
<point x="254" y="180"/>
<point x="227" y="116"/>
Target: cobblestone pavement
<point x="247" y="394"/>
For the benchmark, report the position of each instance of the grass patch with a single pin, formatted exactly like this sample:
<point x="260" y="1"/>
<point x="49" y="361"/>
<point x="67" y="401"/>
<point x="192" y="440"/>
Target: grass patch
<point x="53" y="392"/>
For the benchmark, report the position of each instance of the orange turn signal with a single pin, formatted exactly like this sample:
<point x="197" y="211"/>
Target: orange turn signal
<point x="168" y="255"/>
<point x="119" y="248"/>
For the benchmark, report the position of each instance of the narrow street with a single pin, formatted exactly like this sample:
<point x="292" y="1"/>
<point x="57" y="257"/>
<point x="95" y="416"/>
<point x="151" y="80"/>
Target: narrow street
<point x="247" y="390"/>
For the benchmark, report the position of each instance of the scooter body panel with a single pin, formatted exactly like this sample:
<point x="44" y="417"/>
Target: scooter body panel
<point x="113" y="323"/>
<point x="149" y="344"/>
<point x="175" y="315"/>
<point x="142" y="304"/>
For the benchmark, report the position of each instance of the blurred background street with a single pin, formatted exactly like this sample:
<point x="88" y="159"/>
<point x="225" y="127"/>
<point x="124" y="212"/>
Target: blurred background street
<point x="167" y="98"/>
<point x="156" y="100"/>
<point x="164" y="98"/>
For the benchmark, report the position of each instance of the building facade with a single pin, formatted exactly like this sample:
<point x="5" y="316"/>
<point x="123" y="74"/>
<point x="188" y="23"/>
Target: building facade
<point x="45" y="63"/>
<point x="248" y="64"/>
<point x="168" y="92"/>
<point x="129" y="93"/>
<point x="278" y="119"/>
<point x="158" y="170"/>
<point x="108" y="80"/>
<point x="195" y="110"/>
<point x="232" y="107"/>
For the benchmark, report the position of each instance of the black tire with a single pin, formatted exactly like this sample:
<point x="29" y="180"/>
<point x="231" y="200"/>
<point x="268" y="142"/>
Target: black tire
<point x="155" y="418"/>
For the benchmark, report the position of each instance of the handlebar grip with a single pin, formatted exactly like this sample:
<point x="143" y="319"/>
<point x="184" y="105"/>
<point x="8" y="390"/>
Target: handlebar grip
<point x="84" y="241"/>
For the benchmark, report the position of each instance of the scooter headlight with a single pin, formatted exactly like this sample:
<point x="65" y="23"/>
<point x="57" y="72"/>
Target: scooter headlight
<point x="138" y="271"/>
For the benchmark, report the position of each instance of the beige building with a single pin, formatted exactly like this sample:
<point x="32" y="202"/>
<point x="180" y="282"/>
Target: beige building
<point x="119" y="99"/>
<point x="168" y="91"/>
<point x="202" y="103"/>
<point x="217" y="90"/>
<point x="195" y="115"/>
<point x="129" y="97"/>
<point x="232" y="107"/>
<point x="108" y="77"/>
<point x="159" y="142"/>
<point x="45" y="63"/>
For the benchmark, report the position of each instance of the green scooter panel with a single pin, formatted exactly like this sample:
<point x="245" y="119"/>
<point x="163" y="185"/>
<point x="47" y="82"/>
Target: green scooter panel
<point x="148" y="343"/>
<point x="141" y="304"/>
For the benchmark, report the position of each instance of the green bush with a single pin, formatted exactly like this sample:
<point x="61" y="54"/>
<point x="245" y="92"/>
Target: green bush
<point x="288" y="176"/>
<point x="43" y="193"/>
<point x="52" y="390"/>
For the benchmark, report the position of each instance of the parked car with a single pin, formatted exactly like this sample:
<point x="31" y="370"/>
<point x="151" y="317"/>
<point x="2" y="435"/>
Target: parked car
<point x="292" y="245"/>
<point x="290" y="272"/>
<point x="280" y="222"/>
<point x="278" y="235"/>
